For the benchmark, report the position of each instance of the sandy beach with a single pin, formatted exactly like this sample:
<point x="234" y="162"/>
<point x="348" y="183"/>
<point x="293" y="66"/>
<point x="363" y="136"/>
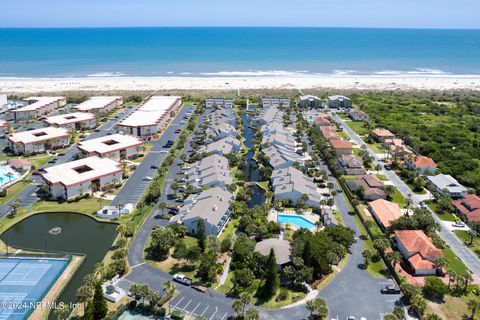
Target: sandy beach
<point x="339" y="82"/>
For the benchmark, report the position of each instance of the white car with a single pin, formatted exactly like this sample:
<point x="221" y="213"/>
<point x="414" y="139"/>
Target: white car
<point x="180" y="278"/>
<point x="458" y="224"/>
<point x="147" y="178"/>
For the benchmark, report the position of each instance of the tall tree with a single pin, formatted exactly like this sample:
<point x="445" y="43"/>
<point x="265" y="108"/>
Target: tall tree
<point x="272" y="279"/>
<point x="100" y="308"/>
<point x="201" y="234"/>
<point x="473" y="305"/>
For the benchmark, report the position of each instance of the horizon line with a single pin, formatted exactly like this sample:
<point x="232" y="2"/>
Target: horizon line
<point x="237" y="27"/>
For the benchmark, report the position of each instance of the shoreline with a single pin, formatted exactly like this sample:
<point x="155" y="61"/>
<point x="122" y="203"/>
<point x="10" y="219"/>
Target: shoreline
<point x="339" y="82"/>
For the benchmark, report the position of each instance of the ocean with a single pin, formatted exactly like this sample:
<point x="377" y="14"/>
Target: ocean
<point x="97" y="52"/>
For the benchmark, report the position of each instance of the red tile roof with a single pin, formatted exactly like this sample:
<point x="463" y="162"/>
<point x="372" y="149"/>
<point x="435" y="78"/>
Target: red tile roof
<point x="383" y="133"/>
<point x="417" y="242"/>
<point x="341" y="144"/>
<point x="322" y="121"/>
<point x="19" y="163"/>
<point x="385" y="211"/>
<point x="469" y="206"/>
<point x="418" y="262"/>
<point x="422" y="161"/>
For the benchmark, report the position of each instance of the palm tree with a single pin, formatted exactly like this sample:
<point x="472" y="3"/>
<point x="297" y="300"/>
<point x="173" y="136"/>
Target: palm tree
<point x="452" y="276"/>
<point x="162" y="205"/>
<point x="98" y="269"/>
<point x="440" y="263"/>
<point x="394" y="257"/>
<point x="122" y="229"/>
<point x="473" y="305"/>
<point x="15" y="206"/>
<point x="169" y="290"/>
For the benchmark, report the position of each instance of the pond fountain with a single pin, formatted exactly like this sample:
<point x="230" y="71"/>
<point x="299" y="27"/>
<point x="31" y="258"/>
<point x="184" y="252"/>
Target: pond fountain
<point x="64" y="232"/>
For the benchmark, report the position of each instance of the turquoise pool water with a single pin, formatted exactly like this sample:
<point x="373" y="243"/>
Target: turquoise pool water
<point x="24" y="281"/>
<point x="295" y="220"/>
<point x="7" y="174"/>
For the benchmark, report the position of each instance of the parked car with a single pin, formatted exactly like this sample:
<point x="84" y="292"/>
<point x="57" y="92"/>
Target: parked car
<point x="147" y="178"/>
<point x="390" y="289"/>
<point x="180" y="278"/>
<point x="153" y="166"/>
<point x="458" y="224"/>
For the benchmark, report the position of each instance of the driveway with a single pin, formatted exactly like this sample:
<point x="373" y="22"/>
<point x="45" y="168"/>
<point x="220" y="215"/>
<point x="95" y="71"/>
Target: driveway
<point x="28" y="195"/>
<point x="467" y="256"/>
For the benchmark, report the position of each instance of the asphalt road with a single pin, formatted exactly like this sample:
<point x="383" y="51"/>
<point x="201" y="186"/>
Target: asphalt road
<point x="28" y="195"/>
<point x="467" y="256"/>
<point x="136" y="186"/>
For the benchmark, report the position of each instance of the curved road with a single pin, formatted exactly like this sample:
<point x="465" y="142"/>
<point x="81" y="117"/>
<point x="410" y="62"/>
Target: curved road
<point x="346" y="294"/>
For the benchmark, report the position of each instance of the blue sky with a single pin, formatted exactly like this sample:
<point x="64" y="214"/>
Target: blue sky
<point x="315" y="13"/>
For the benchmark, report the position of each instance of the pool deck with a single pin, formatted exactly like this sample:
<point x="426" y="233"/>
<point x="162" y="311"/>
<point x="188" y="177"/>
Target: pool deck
<point x="307" y="215"/>
<point x="57" y="288"/>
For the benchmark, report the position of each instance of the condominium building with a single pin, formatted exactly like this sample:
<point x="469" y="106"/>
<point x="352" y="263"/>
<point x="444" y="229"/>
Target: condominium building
<point x="86" y="175"/>
<point x="73" y="121"/>
<point x="117" y="147"/>
<point x="39" y="140"/>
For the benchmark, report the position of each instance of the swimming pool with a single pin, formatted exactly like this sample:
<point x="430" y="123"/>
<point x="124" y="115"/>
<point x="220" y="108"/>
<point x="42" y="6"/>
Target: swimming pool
<point x="24" y="281"/>
<point x="7" y="174"/>
<point x="298" y="221"/>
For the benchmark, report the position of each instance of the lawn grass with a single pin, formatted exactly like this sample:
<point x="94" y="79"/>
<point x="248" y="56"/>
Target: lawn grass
<point x="230" y="229"/>
<point x="453" y="262"/>
<point x="382" y="177"/>
<point x="88" y="205"/>
<point x="358" y="127"/>
<point x="356" y="152"/>
<point x="446" y="216"/>
<point x="172" y="265"/>
<point x="39" y="160"/>
<point x="398" y="198"/>
<point x="264" y="185"/>
<point x="376" y="148"/>
<point x="465" y="237"/>
<point x="13" y="191"/>
<point x="452" y="308"/>
<point x="377" y="268"/>
<point x="343" y="134"/>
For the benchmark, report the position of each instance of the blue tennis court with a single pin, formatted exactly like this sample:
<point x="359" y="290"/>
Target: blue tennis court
<point x="24" y="281"/>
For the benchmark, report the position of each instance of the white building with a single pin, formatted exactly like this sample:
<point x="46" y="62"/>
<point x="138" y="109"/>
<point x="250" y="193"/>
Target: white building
<point x="212" y="205"/>
<point x="74" y="178"/>
<point x="73" y="121"/>
<point x="310" y="102"/>
<point x="219" y="102"/>
<point x="339" y="102"/>
<point x="220" y="131"/>
<point x="3" y="100"/>
<point x="290" y="183"/>
<point x="39" y="140"/>
<point x="3" y="127"/>
<point x="212" y="171"/>
<point x="223" y="146"/>
<point x="274" y="102"/>
<point x="117" y="147"/>
<point x="447" y="186"/>
<point x="100" y="104"/>
<point x="148" y="119"/>
<point x="37" y="107"/>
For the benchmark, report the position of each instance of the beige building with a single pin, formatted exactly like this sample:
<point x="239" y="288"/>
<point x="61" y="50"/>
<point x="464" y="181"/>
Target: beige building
<point x="100" y="104"/>
<point x="148" y="119"/>
<point x="39" y="140"/>
<point x="37" y="107"/>
<point x="74" y="178"/>
<point x="117" y="147"/>
<point x="77" y="121"/>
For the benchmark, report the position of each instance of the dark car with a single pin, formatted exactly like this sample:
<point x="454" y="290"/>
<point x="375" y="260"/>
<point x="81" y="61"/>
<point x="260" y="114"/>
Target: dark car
<point x="390" y="289"/>
<point x="153" y="166"/>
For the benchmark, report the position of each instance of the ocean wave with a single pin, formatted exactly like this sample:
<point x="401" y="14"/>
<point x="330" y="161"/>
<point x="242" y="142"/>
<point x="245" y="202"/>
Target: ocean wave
<point x="106" y="74"/>
<point x="416" y="71"/>
<point x="343" y="72"/>
<point x="263" y="73"/>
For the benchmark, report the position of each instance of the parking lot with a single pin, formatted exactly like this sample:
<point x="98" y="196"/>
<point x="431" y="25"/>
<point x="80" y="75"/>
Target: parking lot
<point x="206" y="309"/>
